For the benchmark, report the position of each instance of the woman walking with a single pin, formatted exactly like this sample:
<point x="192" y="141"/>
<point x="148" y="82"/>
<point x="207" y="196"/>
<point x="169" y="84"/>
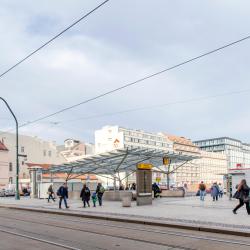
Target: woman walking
<point x="215" y="191"/>
<point x="242" y="194"/>
<point x="85" y="195"/>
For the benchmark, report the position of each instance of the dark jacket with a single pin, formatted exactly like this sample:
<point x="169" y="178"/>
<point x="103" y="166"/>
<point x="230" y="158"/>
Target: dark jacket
<point x="50" y="190"/>
<point x="63" y="192"/>
<point x="85" y="194"/>
<point x="98" y="191"/>
<point x="243" y="192"/>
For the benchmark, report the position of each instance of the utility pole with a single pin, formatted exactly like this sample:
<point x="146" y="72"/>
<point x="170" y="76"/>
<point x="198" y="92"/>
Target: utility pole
<point x="17" y="196"/>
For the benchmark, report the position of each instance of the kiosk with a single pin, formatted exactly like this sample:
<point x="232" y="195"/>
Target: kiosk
<point x="144" y="184"/>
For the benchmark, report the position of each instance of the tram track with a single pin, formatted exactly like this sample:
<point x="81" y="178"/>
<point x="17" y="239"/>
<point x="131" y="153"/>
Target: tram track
<point x="88" y="231"/>
<point x="152" y="231"/>
<point x="38" y="239"/>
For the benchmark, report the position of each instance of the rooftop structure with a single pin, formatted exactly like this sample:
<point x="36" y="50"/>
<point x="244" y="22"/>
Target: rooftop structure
<point x="120" y="160"/>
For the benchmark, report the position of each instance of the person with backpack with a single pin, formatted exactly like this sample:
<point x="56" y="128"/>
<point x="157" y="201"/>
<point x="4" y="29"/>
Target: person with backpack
<point x="215" y="190"/>
<point x="202" y="191"/>
<point x="85" y="195"/>
<point x="242" y="194"/>
<point x="51" y="193"/>
<point x="156" y="190"/>
<point x="100" y="191"/>
<point x="62" y="193"/>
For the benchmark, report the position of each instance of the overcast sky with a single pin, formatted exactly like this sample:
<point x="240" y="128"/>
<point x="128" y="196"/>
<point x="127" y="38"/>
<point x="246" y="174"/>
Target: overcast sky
<point x="122" y="42"/>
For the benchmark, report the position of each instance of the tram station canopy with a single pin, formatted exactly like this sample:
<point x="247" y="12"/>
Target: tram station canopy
<point x="120" y="160"/>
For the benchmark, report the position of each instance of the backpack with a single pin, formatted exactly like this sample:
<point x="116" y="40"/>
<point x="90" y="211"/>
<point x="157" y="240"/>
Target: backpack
<point x="58" y="193"/>
<point x="202" y="187"/>
<point x="87" y="191"/>
<point x="102" y="189"/>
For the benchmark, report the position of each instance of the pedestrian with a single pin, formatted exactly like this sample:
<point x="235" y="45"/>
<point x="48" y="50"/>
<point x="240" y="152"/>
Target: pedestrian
<point x="215" y="191"/>
<point x="100" y="191"/>
<point x="202" y="191"/>
<point x="242" y="194"/>
<point x="156" y="190"/>
<point x="85" y="195"/>
<point x="221" y="189"/>
<point x="133" y="187"/>
<point x="51" y="193"/>
<point x="62" y="193"/>
<point x="94" y="199"/>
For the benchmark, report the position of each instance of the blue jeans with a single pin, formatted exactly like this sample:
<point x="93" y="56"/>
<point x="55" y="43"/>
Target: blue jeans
<point x="202" y="195"/>
<point x="65" y="202"/>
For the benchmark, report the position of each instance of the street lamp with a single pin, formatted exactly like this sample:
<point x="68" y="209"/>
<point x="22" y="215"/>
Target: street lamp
<point x="17" y="196"/>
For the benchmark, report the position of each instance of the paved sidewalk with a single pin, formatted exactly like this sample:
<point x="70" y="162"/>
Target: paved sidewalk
<point x="189" y="211"/>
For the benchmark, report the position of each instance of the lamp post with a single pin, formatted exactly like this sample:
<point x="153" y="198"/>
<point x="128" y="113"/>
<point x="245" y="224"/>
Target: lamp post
<point x="17" y="196"/>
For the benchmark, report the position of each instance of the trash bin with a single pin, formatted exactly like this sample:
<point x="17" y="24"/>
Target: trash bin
<point x="126" y="201"/>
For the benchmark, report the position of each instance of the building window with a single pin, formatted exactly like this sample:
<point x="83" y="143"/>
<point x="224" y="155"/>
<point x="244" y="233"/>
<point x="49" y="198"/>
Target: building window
<point x="22" y="162"/>
<point x="44" y="153"/>
<point x="10" y="180"/>
<point x="49" y="153"/>
<point x="22" y="149"/>
<point x="10" y="167"/>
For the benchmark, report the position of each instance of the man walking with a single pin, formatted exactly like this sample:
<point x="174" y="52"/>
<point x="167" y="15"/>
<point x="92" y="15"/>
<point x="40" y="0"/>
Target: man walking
<point x="100" y="191"/>
<point x="202" y="188"/>
<point x="62" y="193"/>
<point x="51" y="193"/>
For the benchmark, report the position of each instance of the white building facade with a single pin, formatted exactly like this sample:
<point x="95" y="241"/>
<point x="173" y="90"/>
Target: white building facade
<point x="114" y="137"/>
<point x="4" y="164"/>
<point x="33" y="149"/>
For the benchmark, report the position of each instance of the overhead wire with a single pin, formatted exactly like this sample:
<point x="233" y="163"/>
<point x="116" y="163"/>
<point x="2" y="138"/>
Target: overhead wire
<point x="62" y="122"/>
<point x="135" y="82"/>
<point x="156" y="106"/>
<point x="52" y="39"/>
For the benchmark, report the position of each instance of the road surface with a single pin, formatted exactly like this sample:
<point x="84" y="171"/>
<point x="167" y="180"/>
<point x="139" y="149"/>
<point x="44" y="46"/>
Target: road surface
<point x="34" y="230"/>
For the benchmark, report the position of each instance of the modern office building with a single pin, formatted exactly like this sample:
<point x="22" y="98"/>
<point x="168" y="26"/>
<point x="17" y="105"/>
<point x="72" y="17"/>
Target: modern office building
<point x="212" y="167"/>
<point x="114" y="137"/>
<point x="237" y="152"/>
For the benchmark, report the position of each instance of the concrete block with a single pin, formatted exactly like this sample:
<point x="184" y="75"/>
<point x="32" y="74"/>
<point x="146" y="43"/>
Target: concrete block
<point x="143" y="200"/>
<point x="117" y="195"/>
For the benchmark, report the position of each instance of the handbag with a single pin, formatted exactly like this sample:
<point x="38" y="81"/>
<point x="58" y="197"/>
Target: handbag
<point x="236" y="195"/>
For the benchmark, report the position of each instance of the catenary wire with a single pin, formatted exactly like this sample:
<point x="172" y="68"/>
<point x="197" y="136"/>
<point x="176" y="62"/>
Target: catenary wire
<point x="62" y="122"/>
<point x="53" y="38"/>
<point x="135" y="82"/>
<point x="237" y="92"/>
